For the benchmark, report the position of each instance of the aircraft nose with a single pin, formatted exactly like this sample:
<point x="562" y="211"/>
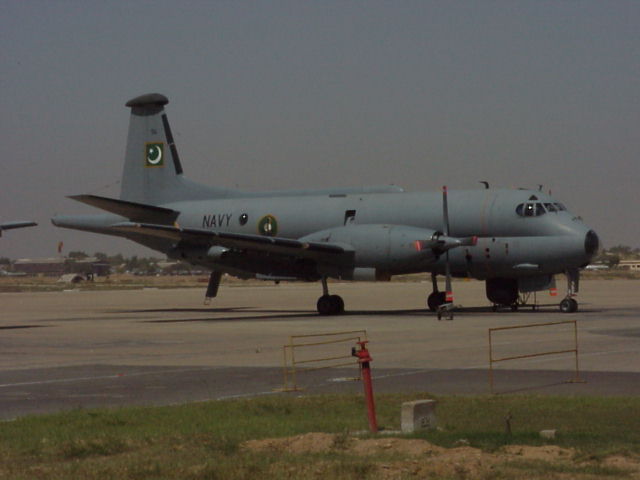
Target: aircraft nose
<point x="591" y="244"/>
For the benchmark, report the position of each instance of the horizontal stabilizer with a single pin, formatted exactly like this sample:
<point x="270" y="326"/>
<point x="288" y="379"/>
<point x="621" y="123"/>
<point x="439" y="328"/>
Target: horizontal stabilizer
<point x="138" y="212"/>
<point x="12" y="225"/>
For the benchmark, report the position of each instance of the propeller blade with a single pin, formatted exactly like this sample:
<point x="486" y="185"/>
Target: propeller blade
<point x="445" y="227"/>
<point x="445" y="212"/>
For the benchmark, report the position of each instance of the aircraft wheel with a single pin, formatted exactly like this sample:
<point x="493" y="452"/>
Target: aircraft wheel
<point x="435" y="300"/>
<point x="337" y="304"/>
<point x="568" y="305"/>
<point x="330" y="305"/>
<point x="324" y="305"/>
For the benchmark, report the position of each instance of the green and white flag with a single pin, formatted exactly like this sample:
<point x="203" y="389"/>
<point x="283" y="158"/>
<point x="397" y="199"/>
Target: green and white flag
<point x="154" y="155"/>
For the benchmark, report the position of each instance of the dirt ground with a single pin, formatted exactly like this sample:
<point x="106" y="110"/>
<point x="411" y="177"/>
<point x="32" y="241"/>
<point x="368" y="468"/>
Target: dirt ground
<point x="402" y="458"/>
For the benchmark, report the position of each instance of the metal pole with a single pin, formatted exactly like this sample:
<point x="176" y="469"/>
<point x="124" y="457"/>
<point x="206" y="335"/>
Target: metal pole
<point x="364" y="358"/>
<point x="293" y="365"/>
<point x="575" y="336"/>
<point x="490" y="364"/>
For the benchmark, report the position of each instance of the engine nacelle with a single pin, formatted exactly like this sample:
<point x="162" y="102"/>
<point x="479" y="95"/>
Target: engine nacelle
<point x="383" y="247"/>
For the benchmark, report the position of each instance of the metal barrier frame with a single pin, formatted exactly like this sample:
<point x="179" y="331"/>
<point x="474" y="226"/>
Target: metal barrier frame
<point x="574" y="350"/>
<point x="290" y="365"/>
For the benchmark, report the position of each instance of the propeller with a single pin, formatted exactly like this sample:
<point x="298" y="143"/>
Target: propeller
<point x="440" y="242"/>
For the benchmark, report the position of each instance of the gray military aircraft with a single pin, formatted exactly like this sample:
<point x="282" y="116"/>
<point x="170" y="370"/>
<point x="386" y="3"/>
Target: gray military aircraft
<point x="12" y="225"/>
<point x="515" y="240"/>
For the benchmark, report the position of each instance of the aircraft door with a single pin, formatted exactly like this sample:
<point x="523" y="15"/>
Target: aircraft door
<point x="349" y="217"/>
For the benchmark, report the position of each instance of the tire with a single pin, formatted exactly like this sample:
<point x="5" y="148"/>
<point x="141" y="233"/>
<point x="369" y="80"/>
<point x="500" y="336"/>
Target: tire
<point x="324" y="305"/>
<point x="330" y="305"/>
<point x="337" y="304"/>
<point x="568" y="305"/>
<point x="435" y="300"/>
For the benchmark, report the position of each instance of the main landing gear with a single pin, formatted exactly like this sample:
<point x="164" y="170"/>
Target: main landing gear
<point x="329" y="304"/>
<point x="436" y="299"/>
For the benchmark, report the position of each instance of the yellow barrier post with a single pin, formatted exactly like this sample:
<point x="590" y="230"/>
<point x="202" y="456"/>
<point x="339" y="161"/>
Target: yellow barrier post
<point x="311" y="364"/>
<point x="574" y="350"/>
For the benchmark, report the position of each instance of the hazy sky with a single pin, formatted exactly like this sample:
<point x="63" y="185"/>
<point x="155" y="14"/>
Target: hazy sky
<point x="293" y="94"/>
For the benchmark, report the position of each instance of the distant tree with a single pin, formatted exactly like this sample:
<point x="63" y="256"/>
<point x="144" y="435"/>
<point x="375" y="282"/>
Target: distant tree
<point x="622" y="250"/>
<point x="131" y="263"/>
<point x="77" y="255"/>
<point x="101" y="256"/>
<point x="116" y="260"/>
<point x="612" y="260"/>
<point x="5" y="261"/>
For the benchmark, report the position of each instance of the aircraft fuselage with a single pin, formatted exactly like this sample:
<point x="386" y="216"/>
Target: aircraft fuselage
<point x="509" y="244"/>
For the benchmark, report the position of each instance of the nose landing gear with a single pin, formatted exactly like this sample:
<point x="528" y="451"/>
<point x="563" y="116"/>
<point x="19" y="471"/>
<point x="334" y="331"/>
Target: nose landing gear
<point x="569" y="304"/>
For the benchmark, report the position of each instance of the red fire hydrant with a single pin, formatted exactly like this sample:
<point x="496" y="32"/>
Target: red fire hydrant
<point x="363" y="359"/>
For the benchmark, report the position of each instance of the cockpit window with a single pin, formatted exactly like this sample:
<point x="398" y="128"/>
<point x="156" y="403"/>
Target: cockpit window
<point x="535" y="209"/>
<point x="530" y="209"/>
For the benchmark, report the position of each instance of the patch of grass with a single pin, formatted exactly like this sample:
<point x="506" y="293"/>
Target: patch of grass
<point x="203" y="440"/>
<point x="82" y="448"/>
<point x="542" y="469"/>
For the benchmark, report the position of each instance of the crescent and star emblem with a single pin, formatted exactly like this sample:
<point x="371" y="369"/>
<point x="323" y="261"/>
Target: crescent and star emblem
<point x="268" y="225"/>
<point x="154" y="154"/>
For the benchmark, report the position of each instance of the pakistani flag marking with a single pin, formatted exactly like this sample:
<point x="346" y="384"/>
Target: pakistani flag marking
<point x="154" y="155"/>
<point x="268" y="225"/>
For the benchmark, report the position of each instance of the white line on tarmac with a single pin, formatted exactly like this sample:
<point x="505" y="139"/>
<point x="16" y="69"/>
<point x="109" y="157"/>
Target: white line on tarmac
<point x="102" y="377"/>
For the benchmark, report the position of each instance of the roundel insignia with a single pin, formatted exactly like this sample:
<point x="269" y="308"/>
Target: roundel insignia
<point x="268" y="225"/>
<point x="154" y="154"/>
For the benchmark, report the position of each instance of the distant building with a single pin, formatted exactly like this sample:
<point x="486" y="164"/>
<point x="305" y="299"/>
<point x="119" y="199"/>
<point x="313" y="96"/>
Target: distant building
<point x="93" y="266"/>
<point x="55" y="267"/>
<point x="50" y="267"/>
<point x="630" y="265"/>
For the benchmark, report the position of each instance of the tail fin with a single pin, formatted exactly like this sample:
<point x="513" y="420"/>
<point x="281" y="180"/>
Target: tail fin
<point x="152" y="170"/>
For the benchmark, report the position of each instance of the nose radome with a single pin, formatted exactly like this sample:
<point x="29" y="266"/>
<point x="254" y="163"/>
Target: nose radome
<point x="591" y="243"/>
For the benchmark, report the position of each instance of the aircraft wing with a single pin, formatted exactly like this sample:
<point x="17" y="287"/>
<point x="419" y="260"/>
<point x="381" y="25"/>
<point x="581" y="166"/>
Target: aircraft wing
<point x="12" y="225"/>
<point x="238" y="241"/>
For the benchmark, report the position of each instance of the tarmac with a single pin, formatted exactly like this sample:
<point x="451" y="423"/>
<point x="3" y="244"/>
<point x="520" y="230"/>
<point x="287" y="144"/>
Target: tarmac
<point x="86" y="349"/>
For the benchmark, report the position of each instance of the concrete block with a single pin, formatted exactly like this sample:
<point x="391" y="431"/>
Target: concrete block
<point x="418" y="415"/>
<point x="548" y="434"/>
